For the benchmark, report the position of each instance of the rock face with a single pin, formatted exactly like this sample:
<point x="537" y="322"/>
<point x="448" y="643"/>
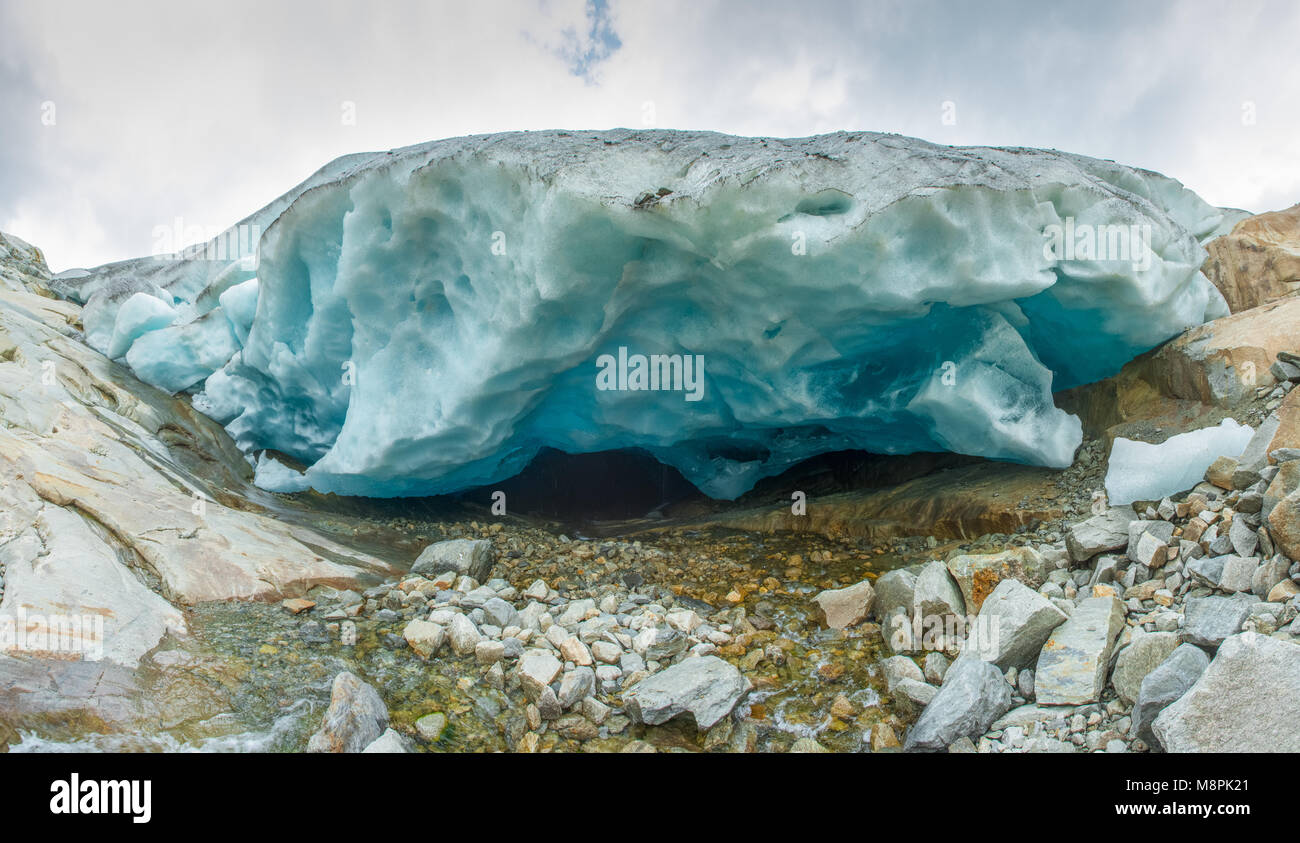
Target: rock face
<point x="706" y="687"/>
<point x="974" y="694"/>
<point x="1013" y="625"/>
<point x="1073" y="663"/>
<point x="857" y="206"/>
<point x="1259" y="261"/>
<point x="1162" y="686"/>
<point x="472" y="557"/>
<point x="845" y="607"/>
<point x="1247" y="700"/>
<point x="356" y="717"/>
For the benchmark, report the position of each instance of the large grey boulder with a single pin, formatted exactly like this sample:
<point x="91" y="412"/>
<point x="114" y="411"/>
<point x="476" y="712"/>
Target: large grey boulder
<point x="974" y="694"/>
<point x="1012" y="626"/>
<point x="1207" y="621"/>
<point x="1248" y="700"/>
<point x="1143" y="654"/>
<point x="894" y="590"/>
<point x="936" y="594"/>
<point x="1162" y="686"/>
<point x="706" y="687"/>
<point x="472" y="557"/>
<point x="356" y="717"/>
<point x="1073" y="663"/>
<point x="1100" y="533"/>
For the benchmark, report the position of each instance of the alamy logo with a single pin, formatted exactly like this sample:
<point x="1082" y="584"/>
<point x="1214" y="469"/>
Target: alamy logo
<point x="74" y="796"/>
<point x="674" y="372"/>
<point x="1108" y="242"/>
<point x="53" y="634"/>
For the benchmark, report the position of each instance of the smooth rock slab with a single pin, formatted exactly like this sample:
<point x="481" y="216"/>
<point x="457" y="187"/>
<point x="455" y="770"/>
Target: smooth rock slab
<point x="1072" y="665"/>
<point x="472" y="557"/>
<point x="1248" y="700"/>
<point x="706" y="687"/>
<point x="1013" y="625"/>
<point x="1162" y="686"/>
<point x="356" y="717"/>
<point x="974" y="694"/>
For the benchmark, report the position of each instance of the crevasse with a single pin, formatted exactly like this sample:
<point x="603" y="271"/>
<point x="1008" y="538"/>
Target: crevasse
<point x="425" y="320"/>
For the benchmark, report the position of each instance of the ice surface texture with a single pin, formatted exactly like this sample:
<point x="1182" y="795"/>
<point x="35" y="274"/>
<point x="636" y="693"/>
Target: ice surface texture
<point x="425" y="320"/>
<point x="1142" y="471"/>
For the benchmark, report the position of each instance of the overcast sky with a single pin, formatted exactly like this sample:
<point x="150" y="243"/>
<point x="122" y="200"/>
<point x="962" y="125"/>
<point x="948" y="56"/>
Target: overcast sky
<point x="119" y="117"/>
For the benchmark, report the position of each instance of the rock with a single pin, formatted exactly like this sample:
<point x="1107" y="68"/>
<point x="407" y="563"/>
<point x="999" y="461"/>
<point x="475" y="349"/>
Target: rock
<point x="471" y="557"/>
<point x="1284" y="483"/>
<point x="898" y="668"/>
<point x="1147" y="541"/>
<point x="1242" y="537"/>
<point x="489" y="652"/>
<point x="1283" y="591"/>
<point x="575" y="727"/>
<point x="1268" y="575"/>
<point x="935" y="666"/>
<point x="1073" y="663"/>
<point x="1013" y="625"/>
<point x="845" y="607"/>
<point x="431" y="726"/>
<point x="424" y="637"/>
<point x="1284" y="524"/>
<point x="1220" y="472"/>
<point x="919" y="694"/>
<point x="706" y="687"/>
<point x="356" y="717"/>
<point x="390" y="741"/>
<point x="575" y="651"/>
<point x="974" y="694"/>
<point x="1100" y="533"/>
<point x="806" y="745"/>
<point x="1238" y="573"/>
<point x="1143" y="655"/>
<point x="978" y="575"/>
<point x="883" y="738"/>
<point x="298" y="605"/>
<point x="1259" y="261"/>
<point x="1207" y="621"/>
<point x="500" y="613"/>
<point x="464" y="636"/>
<point x="936" y="595"/>
<point x="576" y="685"/>
<point x="1165" y="684"/>
<point x="606" y="652"/>
<point x="537" y="670"/>
<point x="595" y="710"/>
<point x="894" y="589"/>
<point x="1247" y="700"/>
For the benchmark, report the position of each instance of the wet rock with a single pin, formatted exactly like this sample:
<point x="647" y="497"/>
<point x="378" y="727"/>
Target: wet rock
<point x="424" y="637"/>
<point x="1013" y="625"/>
<point x="706" y="687"/>
<point x="463" y="635"/>
<point x="575" y="686"/>
<point x="390" y="742"/>
<point x="845" y="607"/>
<point x="356" y="717"/>
<point x="471" y="557"/>
<point x="1073" y="663"/>
<point x="974" y="694"/>
<point x="431" y="726"/>
<point x="1247" y="700"/>
<point x="537" y="670"/>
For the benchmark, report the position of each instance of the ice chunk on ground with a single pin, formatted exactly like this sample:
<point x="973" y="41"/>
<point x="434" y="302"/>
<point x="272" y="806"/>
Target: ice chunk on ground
<point x="427" y="319"/>
<point x="139" y="315"/>
<point x="1142" y="471"/>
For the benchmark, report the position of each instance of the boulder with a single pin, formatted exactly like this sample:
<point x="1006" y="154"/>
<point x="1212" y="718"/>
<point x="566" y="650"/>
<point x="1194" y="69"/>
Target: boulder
<point x="356" y="717"/>
<point x="1165" y="684"/>
<point x="1207" y="621"/>
<point x="935" y="594"/>
<point x="424" y="637"/>
<point x="894" y="589"/>
<point x="1012" y="626"/>
<point x="845" y="607"/>
<point x="978" y="575"/>
<point x="1100" y="533"/>
<point x="471" y="557"/>
<point x="1142" y="655"/>
<point x="974" y="694"/>
<point x="1073" y="663"/>
<point x="1238" y="572"/>
<point x="1247" y="700"/>
<point x="706" y="687"/>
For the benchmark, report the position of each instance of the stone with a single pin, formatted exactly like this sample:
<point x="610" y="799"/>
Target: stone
<point x="977" y="575"/>
<point x="537" y="670"/>
<point x="1100" y="533"/>
<point x="935" y="666"/>
<point x="1284" y="523"/>
<point x="918" y="693"/>
<point x="1147" y="541"/>
<point x="1207" y="621"/>
<point x="356" y="717"/>
<point x="894" y="589"/>
<point x="706" y="687"/>
<point x="1220" y="472"/>
<point x="807" y="745"/>
<point x="576" y="685"/>
<point x="489" y="652"/>
<point x="1238" y="573"/>
<point x="463" y="635"/>
<point x="883" y="738"/>
<point x="298" y="605"/>
<point x="390" y="742"/>
<point x="595" y="710"/>
<point x="1267" y="575"/>
<point x="1283" y="591"/>
<point x="470" y="557"/>
<point x="606" y="652"/>
<point x="1258" y="262"/>
<point x="575" y="651"/>
<point x="1073" y="663"/>
<point x="1242" y="537"/>
<point x="424" y="637"/>
<point x="1143" y="655"/>
<point x="936" y="594"/>
<point x="898" y="668"/>
<point x="974" y="694"/>
<point x="431" y="726"/>
<point x="1013" y="625"/>
<point x="842" y="608"/>
<point x="500" y="613"/>
<point x="1247" y="700"/>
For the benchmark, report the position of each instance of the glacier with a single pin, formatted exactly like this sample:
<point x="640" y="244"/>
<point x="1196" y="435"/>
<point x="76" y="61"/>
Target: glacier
<point x="425" y="320"/>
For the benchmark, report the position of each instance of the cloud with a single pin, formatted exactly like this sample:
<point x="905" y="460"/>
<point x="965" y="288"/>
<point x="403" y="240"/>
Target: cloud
<point x="208" y="112"/>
